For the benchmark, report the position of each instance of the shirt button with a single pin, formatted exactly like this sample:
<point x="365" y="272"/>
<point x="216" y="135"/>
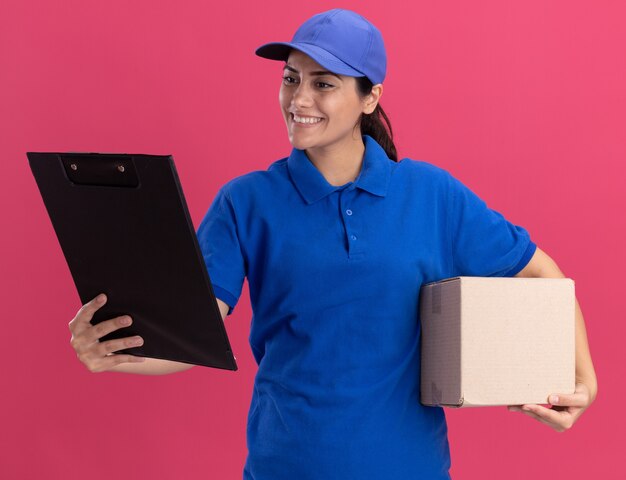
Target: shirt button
<point x="353" y="237"/>
<point x="349" y="212"/>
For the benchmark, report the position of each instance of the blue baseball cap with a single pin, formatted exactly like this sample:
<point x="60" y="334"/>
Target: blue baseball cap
<point x="340" y="40"/>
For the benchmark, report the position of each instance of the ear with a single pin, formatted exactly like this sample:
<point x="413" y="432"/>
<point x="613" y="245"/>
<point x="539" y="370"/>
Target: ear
<point x="373" y="98"/>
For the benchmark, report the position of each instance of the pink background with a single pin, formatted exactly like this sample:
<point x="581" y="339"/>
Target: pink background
<point x="523" y="101"/>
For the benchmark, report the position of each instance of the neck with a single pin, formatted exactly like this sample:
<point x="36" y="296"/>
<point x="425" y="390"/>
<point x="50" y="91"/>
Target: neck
<point x="339" y="163"/>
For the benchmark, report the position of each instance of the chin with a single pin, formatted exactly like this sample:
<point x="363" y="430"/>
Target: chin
<point x="300" y="143"/>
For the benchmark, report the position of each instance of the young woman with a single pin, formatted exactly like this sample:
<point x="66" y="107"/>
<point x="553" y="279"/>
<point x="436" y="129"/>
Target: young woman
<point x="336" y="241"/>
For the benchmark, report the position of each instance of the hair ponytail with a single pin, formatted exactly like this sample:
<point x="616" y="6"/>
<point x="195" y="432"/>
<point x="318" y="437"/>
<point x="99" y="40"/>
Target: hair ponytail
<point x="372" y="124"/>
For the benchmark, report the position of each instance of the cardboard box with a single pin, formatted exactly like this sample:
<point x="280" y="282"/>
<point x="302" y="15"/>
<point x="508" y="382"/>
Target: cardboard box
<point x="496" y="340"/>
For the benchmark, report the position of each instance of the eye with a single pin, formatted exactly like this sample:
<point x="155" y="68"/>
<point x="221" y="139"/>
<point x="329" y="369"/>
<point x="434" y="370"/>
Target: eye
<point x="322" y="83"/>
<point x="287" y="79"/>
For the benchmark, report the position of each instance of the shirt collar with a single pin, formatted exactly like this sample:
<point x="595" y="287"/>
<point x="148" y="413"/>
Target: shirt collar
<point x="373" y="177"/>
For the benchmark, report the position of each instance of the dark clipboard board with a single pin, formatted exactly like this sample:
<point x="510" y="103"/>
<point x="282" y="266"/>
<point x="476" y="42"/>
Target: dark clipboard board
<point x="125" y="230"/>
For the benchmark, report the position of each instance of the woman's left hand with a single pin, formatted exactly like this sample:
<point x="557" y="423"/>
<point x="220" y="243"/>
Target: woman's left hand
<point x="564" y="410"/>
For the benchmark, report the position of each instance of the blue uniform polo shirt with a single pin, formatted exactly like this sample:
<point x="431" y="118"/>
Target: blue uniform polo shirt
<point x="334" y="274"/>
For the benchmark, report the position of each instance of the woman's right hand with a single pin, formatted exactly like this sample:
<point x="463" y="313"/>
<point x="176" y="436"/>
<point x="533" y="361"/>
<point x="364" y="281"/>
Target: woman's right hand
<point x="98" y="356"/>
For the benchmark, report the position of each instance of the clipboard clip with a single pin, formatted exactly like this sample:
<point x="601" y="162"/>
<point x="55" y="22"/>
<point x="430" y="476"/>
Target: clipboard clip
<point x="106" y="170"/>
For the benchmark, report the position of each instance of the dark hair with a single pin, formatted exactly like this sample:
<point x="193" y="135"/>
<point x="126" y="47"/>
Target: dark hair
<point x="372" y="124"/>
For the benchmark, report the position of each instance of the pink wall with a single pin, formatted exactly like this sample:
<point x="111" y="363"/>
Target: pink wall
<point x="523" y="101"/>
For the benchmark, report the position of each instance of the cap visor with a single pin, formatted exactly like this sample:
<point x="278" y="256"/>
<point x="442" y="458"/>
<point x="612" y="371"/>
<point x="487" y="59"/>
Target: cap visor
<point x="280" y="51"/>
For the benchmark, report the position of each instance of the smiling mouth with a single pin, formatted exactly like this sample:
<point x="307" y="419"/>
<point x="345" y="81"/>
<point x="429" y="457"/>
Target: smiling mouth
<point x="305" y="120"/>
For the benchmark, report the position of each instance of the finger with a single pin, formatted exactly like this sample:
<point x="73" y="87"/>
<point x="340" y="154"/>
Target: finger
<point x="110" y="361"/>
<point x="86" y="313"/>
<point x="532" y="414"/>
<point x="557" y="419"/>
<point x="93" y="334"/>
<point x="110" y="346"/>
<point x="577" y="399"/>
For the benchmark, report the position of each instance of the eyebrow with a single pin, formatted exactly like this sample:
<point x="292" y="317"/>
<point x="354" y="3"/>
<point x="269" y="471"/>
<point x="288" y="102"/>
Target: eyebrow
<point x="320" y="72"/>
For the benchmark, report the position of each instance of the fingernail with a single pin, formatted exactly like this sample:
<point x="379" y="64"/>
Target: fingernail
<point x="554" y="399"/>
<point x="125" y="320"/>
<point x="100" y="298"/>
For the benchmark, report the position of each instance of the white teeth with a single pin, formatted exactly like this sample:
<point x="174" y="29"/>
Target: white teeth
<point x="306" y="119"/>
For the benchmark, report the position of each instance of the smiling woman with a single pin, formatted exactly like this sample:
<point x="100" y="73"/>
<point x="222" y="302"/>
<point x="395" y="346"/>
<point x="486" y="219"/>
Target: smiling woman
<point x="336" y="241"/>
<point x="342" y="265"/>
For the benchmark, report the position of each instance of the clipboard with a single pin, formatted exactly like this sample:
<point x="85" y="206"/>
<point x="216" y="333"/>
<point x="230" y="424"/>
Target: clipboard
<point x="125" y="230"/>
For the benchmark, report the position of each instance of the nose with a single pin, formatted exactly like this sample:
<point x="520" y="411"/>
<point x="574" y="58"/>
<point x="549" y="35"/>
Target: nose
<point x="302" y="96"/>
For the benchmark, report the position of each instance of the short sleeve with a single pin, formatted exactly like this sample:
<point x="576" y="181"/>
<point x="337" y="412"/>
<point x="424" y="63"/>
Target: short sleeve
<point x="483" y="242"/>
<point x="221" y="249"/>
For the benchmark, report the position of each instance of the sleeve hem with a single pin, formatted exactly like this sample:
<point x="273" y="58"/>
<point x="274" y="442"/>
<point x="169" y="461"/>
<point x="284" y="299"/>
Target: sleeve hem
<point x="528" y="254"/>
<point x="225" y="296"/>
